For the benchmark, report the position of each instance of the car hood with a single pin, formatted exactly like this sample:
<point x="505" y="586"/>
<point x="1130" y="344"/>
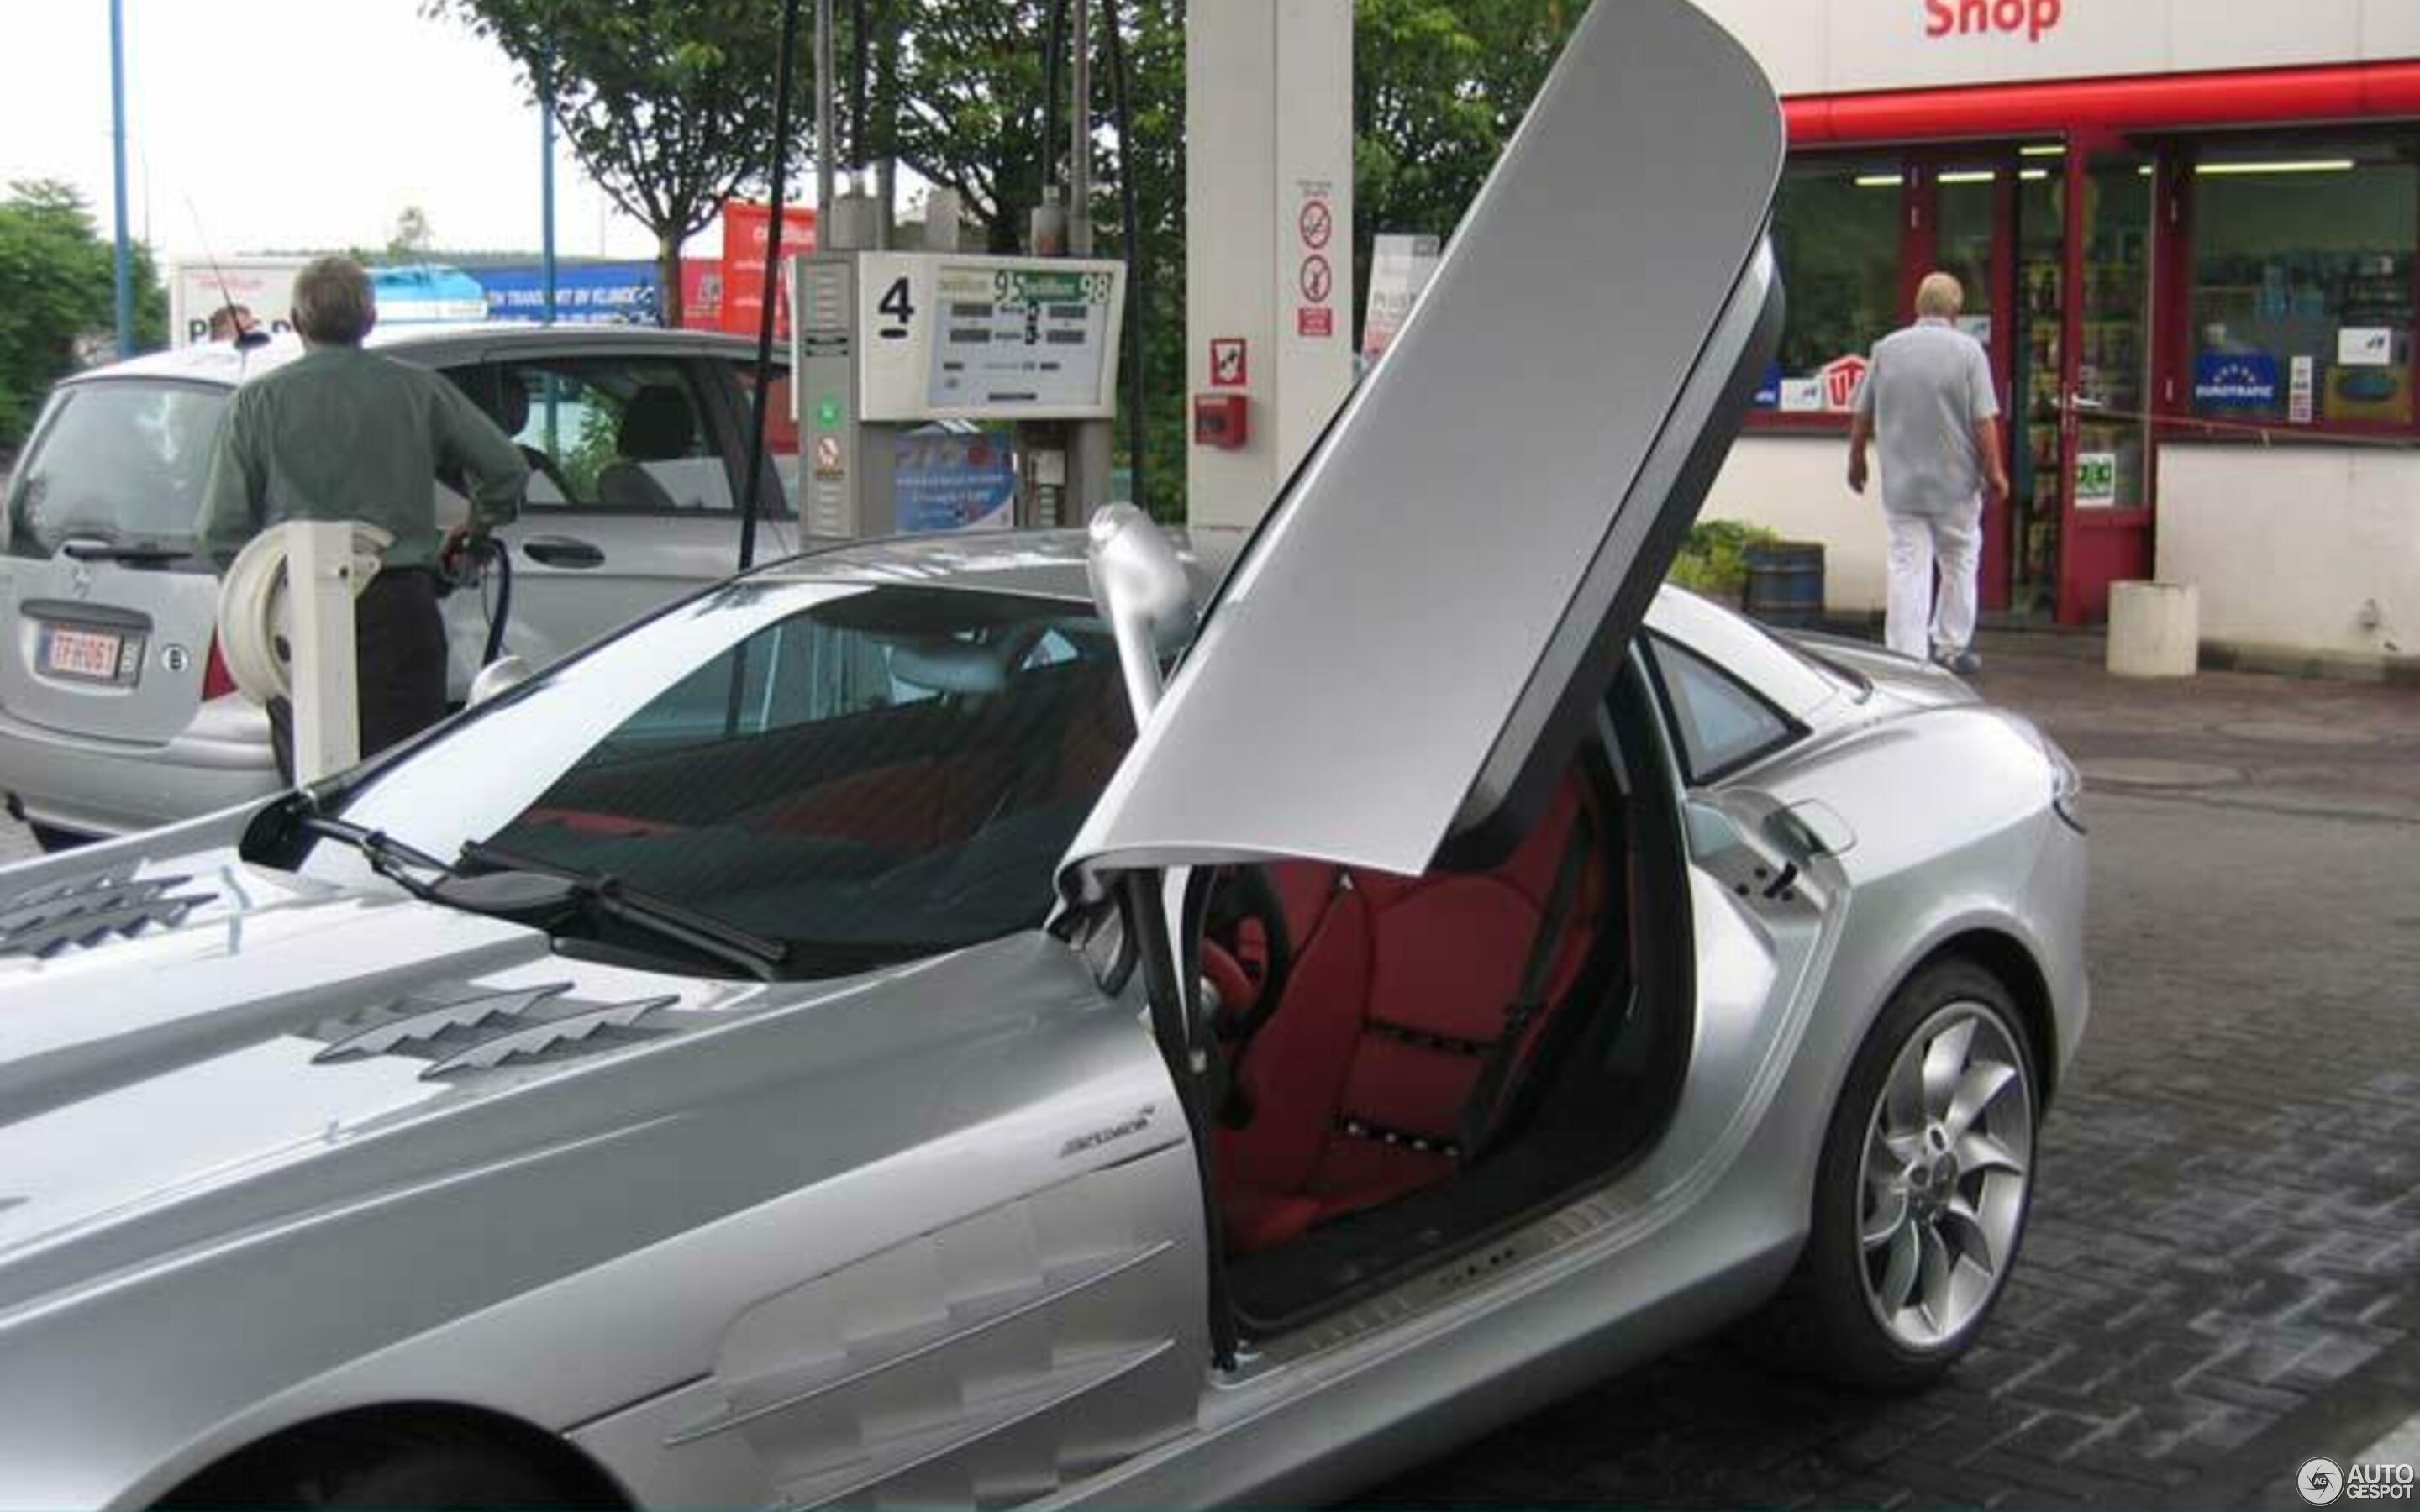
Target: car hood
<point x="1409" y="649"/>
<point x="170" y="1026"/>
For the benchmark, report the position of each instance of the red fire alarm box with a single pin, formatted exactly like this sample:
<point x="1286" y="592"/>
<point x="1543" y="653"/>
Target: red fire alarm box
<point x="1224" y="421"/>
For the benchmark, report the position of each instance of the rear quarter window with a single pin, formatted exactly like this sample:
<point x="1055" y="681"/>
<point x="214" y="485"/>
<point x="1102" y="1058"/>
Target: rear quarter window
<point x="1719" y="722"/>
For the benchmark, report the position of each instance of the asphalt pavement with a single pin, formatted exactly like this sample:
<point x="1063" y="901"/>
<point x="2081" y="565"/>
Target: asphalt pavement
<point x="2221" y="1277"/>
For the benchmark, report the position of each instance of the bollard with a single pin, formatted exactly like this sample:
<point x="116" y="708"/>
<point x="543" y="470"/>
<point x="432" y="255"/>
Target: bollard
<point x="2154" y="629"/>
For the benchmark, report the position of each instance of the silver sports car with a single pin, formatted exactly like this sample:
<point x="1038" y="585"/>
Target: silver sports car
<point x="1083" y="1019"/>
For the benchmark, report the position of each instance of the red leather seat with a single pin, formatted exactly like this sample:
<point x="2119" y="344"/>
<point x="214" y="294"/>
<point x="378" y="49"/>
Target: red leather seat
<point x="1400" y="987"/>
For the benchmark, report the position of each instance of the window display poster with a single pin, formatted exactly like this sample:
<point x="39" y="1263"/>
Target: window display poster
<point x="2096" y="480"/>
<point x="2365" y="346"/>
<point x="1768" y="390"/>
<point x="2298" y="402"/>
<point x="1976" y="326"/>
<point x="2235" y="381"/>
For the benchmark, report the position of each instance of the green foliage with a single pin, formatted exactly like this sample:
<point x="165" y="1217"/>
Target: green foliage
<point x="667" y="103"/>
<point x="1713" y="559"/>
<point x="1439" y="88"/>
<point x="58" y="286"/>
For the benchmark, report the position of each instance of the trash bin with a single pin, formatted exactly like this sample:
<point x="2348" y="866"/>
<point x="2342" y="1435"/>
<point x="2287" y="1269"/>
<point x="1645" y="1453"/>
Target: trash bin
<point x="2154" y="629"/>
<point x="1785" y="584"/>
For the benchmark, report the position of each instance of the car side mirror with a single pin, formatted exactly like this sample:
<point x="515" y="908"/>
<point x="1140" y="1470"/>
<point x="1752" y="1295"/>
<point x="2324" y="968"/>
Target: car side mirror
<point x="496" y="678"/>
<point x="1142" y="590"/>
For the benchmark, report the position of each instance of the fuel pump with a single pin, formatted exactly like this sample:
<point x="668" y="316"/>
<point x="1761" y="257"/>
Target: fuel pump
<point x="908" y="366"/>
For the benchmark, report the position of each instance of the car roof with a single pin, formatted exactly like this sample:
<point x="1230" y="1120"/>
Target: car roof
<point x="222" y="363"/>
<point x="1044" y="563"/>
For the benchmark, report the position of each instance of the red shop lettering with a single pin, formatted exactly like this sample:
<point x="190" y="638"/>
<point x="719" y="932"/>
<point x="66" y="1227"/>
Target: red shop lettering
<point x="1943" y="18"/>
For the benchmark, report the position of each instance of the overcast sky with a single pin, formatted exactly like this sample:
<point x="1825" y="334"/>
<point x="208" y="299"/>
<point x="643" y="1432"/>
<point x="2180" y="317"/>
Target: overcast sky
<point x="292" y="124"/>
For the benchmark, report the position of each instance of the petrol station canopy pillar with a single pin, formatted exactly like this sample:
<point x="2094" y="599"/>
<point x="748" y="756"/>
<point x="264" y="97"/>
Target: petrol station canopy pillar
<point x="1269" y="244"/>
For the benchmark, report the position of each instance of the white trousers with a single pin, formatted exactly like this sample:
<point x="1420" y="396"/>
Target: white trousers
<point x="1918" y="623"/>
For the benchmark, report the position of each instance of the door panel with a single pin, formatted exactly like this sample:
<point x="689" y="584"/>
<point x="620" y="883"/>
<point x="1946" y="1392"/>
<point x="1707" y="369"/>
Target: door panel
<point x="1405" y="648"/>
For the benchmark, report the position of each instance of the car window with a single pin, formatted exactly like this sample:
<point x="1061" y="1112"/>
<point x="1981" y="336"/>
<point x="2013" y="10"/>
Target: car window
<point x="1720" y="723"/>
<point x="120" y="461"/>
<point x="618" y="435"/>
<point x="781" y="426"/>
<point x="888" y="774"/>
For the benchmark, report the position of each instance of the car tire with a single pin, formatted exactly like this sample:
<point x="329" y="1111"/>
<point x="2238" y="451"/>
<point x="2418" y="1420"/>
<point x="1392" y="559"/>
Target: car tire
<point x="381" y="1468"/>
<point x="1924" y="1184"/>
<point x="52" y="842"/>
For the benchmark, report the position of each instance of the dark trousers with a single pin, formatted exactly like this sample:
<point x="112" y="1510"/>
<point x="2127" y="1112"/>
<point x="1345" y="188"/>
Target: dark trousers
<point x="398" y="662"/>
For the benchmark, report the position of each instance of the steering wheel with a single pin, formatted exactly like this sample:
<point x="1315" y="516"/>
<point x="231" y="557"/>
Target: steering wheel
<point x="1247" y="950"/>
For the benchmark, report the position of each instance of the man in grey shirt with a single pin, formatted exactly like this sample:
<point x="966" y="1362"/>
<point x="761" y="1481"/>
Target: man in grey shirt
<point x="345" y="434"/>
<point x="1928" y="396"/>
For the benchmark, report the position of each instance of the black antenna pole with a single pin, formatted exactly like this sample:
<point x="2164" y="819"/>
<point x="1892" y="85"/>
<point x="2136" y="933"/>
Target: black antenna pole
<point x="788" y="64"/>
<point x="244" y="340"/>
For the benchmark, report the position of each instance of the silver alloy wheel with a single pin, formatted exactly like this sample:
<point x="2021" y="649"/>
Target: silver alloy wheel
<point x="1948" y="1157"/>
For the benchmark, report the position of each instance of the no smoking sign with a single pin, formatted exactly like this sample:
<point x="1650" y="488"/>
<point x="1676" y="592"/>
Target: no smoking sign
<point x="1318" y="224"/>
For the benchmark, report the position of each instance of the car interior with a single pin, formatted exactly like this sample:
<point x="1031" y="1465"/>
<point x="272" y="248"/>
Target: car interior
<point x="1414" y="1064"/>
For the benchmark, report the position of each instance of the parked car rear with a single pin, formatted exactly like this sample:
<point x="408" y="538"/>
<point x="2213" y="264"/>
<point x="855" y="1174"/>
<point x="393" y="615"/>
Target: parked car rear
<point x="115" y="710"/>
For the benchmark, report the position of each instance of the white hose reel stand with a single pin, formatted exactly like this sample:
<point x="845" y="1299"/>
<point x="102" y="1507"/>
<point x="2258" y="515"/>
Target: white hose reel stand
<point x="282" y="643"/>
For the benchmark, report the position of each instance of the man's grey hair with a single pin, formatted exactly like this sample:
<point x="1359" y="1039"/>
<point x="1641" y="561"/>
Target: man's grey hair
<point x="1940" y="296"/>
<point x="334" y="305"/>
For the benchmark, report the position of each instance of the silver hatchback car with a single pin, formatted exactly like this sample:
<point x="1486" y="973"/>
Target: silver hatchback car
<point x="116" y="711"/>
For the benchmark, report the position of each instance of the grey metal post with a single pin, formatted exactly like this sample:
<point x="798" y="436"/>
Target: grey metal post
<point x="1094" y="443"/>
<point x="123" y="256"/>
<point x="826" y="126"/>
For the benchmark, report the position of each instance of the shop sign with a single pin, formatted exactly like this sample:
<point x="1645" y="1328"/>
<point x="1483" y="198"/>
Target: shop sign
<point x="2096" y="479"/>
<point x="1841" y="378"/>
<point x="2235" y="381"/>
<point x="2029" y="18"/>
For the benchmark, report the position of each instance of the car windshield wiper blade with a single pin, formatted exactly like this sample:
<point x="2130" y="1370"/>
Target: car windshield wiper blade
<point x="707" y="935"/>
<point x="388" y="858"/>
<point x="130" y="551"/>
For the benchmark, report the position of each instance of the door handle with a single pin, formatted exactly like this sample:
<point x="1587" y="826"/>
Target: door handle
<point x="563" y="551"/>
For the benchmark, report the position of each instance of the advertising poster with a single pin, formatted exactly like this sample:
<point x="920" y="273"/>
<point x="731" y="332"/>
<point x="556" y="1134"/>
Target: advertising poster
<point x="946" y="479"/>
<point x="585" y="293"/>
<point x="1400" y="269"/>
<point x="2235" y="381"/>
<point x="746" y="227"/>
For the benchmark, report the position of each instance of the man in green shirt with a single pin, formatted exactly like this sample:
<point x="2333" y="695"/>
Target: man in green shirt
<point x="341" y="434"/>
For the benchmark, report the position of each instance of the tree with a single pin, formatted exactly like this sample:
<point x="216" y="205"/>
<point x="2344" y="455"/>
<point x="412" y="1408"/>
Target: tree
<point x="1439" y="88"/>
<point x="667" y="103"/>
<point x="57" y="284"/>
<point x="412" y="237"/>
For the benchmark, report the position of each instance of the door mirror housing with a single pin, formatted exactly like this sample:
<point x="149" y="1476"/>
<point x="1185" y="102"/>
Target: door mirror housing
<point x="1142" y="590"/>
<point x="497" y="677"/>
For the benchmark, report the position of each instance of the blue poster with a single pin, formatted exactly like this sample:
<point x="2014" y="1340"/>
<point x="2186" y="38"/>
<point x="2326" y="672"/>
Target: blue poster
<point x="602" y="294"/>
<point x="2235" y="381"/>
<point x="947" y="479"/>
<point x="1768" y="392"/>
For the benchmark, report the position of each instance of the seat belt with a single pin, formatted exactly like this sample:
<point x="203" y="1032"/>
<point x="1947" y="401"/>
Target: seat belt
<point x="1529" y="1000"/>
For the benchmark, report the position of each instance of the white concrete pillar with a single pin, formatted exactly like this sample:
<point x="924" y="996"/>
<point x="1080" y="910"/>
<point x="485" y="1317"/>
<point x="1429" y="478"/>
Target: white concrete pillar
<point x="2154" y="629"/>
<point x="1270" y="241"/>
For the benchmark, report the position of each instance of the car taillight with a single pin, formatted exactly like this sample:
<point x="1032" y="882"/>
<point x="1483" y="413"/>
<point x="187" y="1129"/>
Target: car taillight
<point x="217" y="681"/>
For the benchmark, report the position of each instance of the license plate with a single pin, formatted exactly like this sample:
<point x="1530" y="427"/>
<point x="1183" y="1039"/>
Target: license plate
<point x="87" y="656"/>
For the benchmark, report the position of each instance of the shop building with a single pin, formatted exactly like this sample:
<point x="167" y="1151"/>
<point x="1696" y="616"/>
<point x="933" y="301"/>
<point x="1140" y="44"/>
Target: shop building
<point x="2190" y="235"/>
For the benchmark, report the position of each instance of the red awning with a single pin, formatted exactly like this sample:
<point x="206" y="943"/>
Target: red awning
<point x="2354" y="92"/>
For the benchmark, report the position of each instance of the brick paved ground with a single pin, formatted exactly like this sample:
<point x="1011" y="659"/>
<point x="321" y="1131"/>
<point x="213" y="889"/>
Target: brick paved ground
<point x="2223" y="1273"/>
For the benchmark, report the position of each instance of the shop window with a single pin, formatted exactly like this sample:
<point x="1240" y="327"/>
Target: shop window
<point x="1836" y="230"/>
<point x="2302" y="300"/>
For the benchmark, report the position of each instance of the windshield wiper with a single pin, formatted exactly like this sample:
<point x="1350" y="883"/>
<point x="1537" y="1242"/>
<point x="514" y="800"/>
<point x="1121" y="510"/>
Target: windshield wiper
<point x="609" y="895"/>
<point x="388" y="858"/>
<point x="134" y="553"/>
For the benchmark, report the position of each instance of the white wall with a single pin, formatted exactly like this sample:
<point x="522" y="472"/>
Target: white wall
<point x="1797" y="486"/>
<point x="2286" y="543"/>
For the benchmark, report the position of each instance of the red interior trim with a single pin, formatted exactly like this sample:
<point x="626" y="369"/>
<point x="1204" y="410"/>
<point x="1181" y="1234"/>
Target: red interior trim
<point x="2359" y="91"/>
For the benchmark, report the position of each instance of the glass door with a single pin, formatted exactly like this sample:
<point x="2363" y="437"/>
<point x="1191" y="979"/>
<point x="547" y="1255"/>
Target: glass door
<point x="2037" y="438"/>
<point x="1974" y="204"/>
<point x="2107" y="432"/>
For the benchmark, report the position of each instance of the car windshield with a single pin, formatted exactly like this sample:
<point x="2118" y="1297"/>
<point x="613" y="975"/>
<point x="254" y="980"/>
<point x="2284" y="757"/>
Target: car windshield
<point x="866" y="775"/>
<point x="120" y="461"/>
